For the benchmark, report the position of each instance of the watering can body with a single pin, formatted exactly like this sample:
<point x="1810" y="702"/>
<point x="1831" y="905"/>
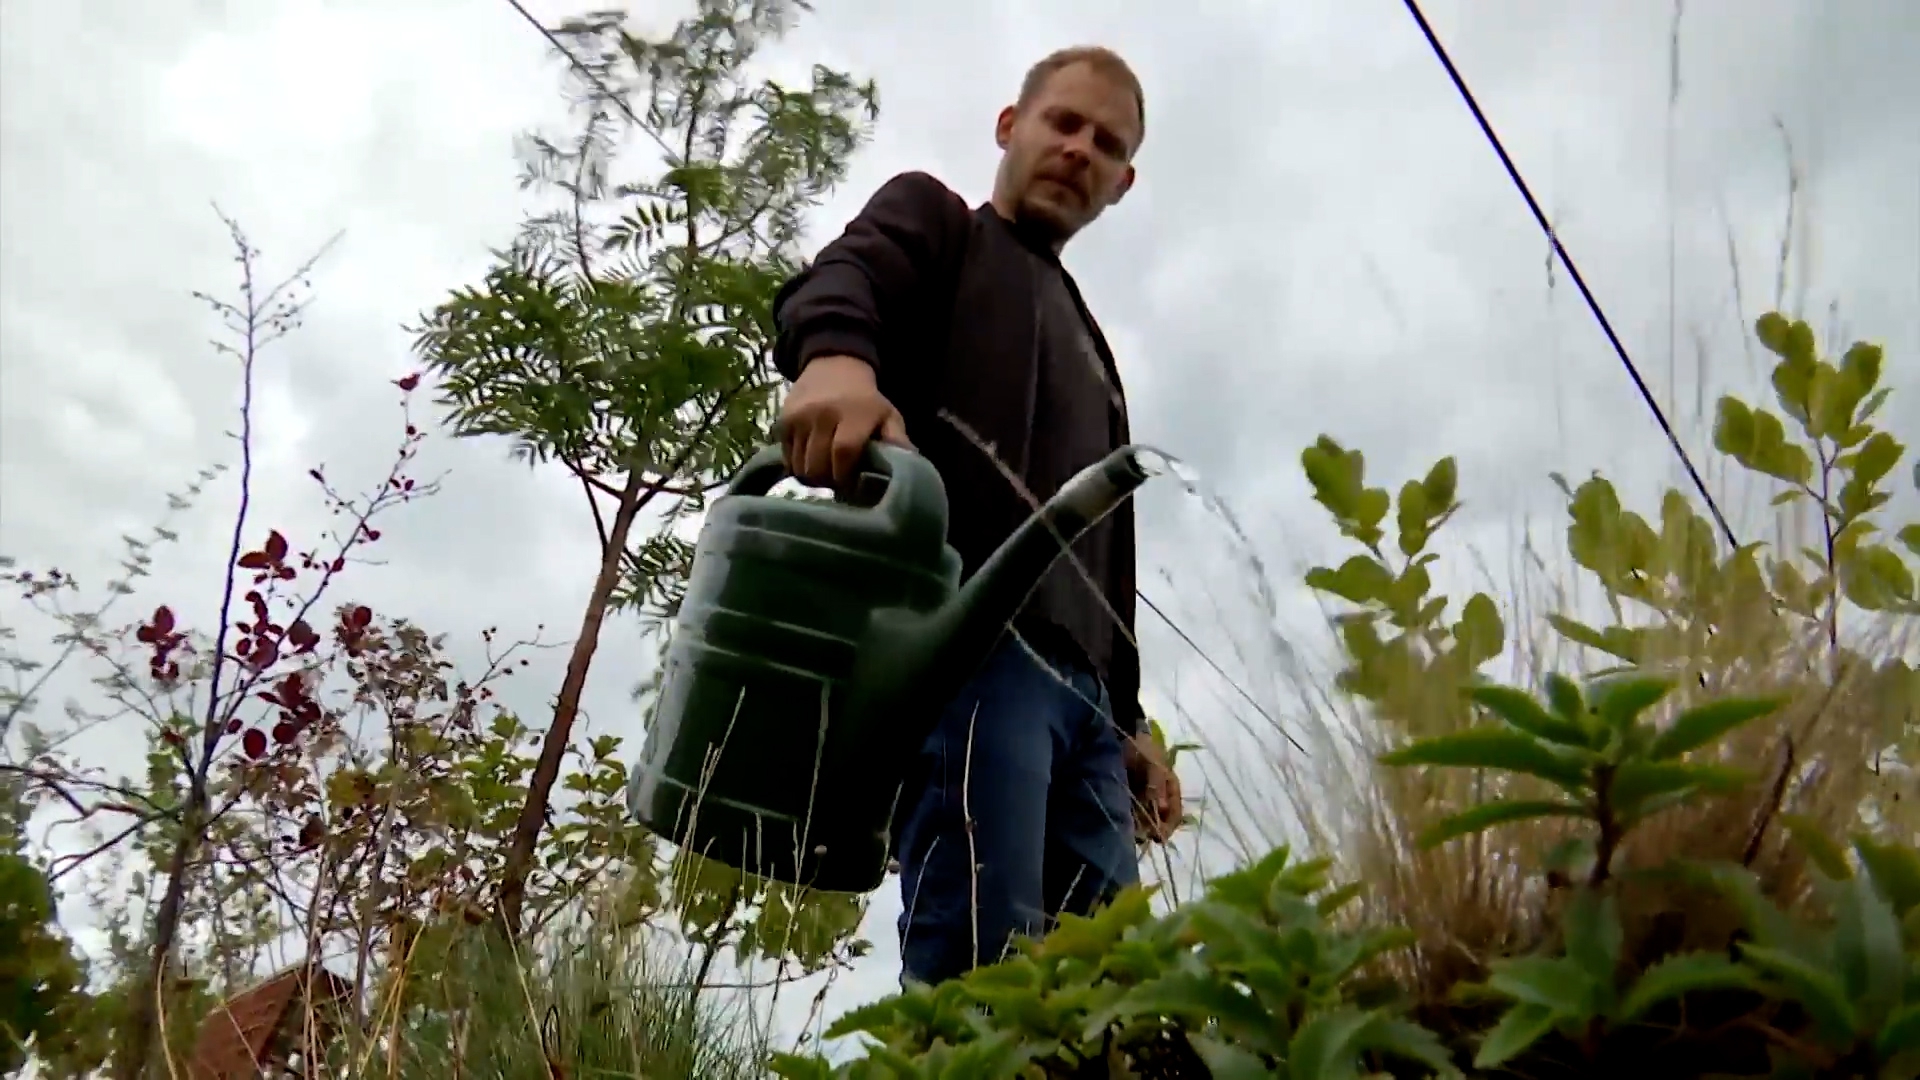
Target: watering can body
<point x="814" y="648"/>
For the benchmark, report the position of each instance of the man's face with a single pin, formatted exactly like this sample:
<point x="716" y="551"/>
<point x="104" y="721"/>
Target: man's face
<point x="1068" y="151"/>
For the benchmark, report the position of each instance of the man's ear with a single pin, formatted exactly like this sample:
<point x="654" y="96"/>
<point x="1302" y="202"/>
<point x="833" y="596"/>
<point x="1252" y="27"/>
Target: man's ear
<point x="1125" y="185"/>
<point x="1003" y="127"/>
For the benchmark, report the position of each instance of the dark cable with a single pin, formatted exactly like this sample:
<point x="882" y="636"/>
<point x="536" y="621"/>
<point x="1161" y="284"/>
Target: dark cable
<point x="1553" y="238"/>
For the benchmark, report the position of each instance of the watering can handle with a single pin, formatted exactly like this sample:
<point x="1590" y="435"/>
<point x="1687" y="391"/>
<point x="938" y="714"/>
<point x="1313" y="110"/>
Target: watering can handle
<point x="768" y="467"/>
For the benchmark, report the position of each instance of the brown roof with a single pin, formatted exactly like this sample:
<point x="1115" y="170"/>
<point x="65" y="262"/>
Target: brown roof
<point x="238" y="1036"/>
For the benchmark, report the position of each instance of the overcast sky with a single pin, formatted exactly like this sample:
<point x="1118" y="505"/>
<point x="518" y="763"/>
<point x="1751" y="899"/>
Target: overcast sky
<point x="1321" y="241"/>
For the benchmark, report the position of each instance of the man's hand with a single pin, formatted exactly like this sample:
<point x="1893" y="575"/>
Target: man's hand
<point x="833" y="411"/>
<point x="1157" y="808"/>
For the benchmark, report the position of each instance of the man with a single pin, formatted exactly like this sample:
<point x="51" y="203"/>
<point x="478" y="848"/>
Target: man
<point x="958" y="332"/>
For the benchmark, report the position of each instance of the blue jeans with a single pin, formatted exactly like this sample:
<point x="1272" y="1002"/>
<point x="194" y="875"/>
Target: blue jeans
<point x="1030" y="753"/>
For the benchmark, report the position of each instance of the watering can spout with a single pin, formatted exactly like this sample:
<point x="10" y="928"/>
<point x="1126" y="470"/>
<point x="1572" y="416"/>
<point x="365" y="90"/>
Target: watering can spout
<point x="956" y="639"/>
<point x="991" y="599"/>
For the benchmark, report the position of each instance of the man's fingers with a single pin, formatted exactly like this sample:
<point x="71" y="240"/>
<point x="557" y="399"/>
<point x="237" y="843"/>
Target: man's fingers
<point x="894" y="430"/>
<point x="816" y="464"/>
<point x="849" y="443"/>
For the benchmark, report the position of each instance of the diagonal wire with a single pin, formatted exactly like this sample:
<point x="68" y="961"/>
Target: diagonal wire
<point x="1553" y="237"/>
<point x="1218" y="670"/>
<point x="579" y="66"/>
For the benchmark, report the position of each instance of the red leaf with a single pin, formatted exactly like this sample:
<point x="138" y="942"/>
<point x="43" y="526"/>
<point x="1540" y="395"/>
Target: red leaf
<point x="254" y="742"/>
<point x="372" y="535"/>
<point x="253" y="560"/>
<point x="361" y="617"/>
<point x="315" y="473"/>
<point x="338" y="565"/>
<point x="283" y="733"/>
<point x="301" y="636"/>
<point x="233" y="726"/>
<point x="163" y="619"/>
<point x="408" y="382"/>
<point x="276" y="546"/>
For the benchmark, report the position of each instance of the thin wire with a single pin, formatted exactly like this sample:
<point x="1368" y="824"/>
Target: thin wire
<point x="1553" y="238"/>
<point x="1218" y="670"/>
<point x="620" y="101"/>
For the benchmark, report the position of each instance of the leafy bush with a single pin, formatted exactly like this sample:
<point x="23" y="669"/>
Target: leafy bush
<point x="1626" y="869"/>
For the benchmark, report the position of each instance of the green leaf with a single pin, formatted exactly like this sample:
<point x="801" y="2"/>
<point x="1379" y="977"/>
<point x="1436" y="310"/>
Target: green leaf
<point x="1876" y="458"/>
<point x="1227" y="1062"/>
<point x="1895" y="869"/>
<point x="1480" y="634"/>
<point x="1336" y="899"/>
<point x="1614" y="640"/>
<point x="1777" y="333"/>
<point x="1442" y="484"/>
<point x="1866" y="949"/>
<point x="1327" y="1044"/>
<point x="1733" y="428"/>
<point x="1407" y="1040"/>
<point x="1703" y="724"/>
<point x="1194" y="997"/>
<point x="1901" y="1035"/>
<point x="1641" y="788"/>
<point x="1556" y="984"/>
<point x="1360" y="580"/>
<point x="1816" y="991"/>
<point x="1593" y="933"/>
<point x="1760" y="915"/>
<point x="1910" y="536"/>
<point x="1821" y="850"/>
<point x="1566" y="697"/>
<point x="1491" y="748"/>
<point x="1521" y="1027"/>
<point x="1412" y="518"/>
<point x="1831" y="400"/>
<point x="1521" y="710"/>
<point x="1621" y="700"/>
<point x="1862" y="364"/>
<point x="1681" y="974"/>
<point x="1876" y="578"/>
<point x="1496" y="812"/>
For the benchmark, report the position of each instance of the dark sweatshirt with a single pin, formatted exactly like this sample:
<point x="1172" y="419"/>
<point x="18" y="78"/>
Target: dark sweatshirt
<point x="965" y="319"/>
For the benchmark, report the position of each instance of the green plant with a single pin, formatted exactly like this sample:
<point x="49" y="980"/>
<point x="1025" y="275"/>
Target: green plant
<point x="1852" y="981"/>
<point x="591" y="999"/>
<point x="1410" y="673"/>
<point x="1613" y="770"/>
<point x="1610" y="766"/>
<point x="1254" y="979"/>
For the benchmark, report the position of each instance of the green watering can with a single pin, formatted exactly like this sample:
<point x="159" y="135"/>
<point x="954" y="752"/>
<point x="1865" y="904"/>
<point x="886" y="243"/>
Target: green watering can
<point x="813" y="652"/>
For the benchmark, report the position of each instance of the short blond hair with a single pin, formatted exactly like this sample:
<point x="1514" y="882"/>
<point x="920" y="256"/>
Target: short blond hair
<point x="1101" y="59"/>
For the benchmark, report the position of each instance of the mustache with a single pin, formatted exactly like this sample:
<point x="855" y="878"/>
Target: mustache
<point x="1073" y="179"/>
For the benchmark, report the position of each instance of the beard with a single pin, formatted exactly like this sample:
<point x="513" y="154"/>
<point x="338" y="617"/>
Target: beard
<point x="1049" y="209"/>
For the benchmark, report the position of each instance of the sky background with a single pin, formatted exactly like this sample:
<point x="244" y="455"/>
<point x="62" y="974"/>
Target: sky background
<point x="1320" y="242"/>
